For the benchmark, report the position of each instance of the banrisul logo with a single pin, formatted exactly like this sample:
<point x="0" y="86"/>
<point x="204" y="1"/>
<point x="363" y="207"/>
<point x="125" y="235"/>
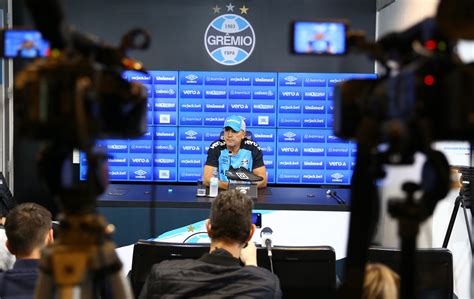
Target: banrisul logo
<point x="229" y="38"/>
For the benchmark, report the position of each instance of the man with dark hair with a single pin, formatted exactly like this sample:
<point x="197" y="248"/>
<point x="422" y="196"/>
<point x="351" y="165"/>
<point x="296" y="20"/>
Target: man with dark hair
<point x="235" y="150"/>
<point x="7" y="203"/>
<point x="6" y="258"/>
<point x="28" y="228"/>
<point x="218" y="273"/>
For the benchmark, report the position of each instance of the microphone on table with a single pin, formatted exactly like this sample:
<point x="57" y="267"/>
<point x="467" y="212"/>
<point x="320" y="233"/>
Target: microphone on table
<point x="333" y="194"/>
<point x="266" y="235"/>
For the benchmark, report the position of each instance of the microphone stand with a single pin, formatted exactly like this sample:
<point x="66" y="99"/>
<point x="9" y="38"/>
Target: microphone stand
<point x="267" y="241"/>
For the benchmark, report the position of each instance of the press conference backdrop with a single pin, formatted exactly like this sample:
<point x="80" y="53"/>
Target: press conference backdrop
<point x="289" y="114"/>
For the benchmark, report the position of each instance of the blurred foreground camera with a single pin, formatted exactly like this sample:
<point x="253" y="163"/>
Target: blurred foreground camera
<point x="69" y="100"/>
<point x="426" y="87"/>
<point x="425" y="83"/>
<point x="424" y="95"/>
<point x="78" y="96"/>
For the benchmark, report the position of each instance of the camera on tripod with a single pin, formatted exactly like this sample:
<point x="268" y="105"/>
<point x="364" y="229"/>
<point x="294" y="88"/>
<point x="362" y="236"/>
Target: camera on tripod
<point x="426" y="87"/>
<point x="425" y="83"/>
<point x="67" y="100"/>
<point x="425" y="95"/>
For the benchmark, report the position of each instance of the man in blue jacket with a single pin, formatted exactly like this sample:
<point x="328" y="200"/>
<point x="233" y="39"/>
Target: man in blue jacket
<point x="28" y="228"/>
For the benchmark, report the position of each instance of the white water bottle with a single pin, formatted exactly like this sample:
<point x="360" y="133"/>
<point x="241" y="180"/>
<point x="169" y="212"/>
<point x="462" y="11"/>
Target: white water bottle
<point x="214" y="184"/>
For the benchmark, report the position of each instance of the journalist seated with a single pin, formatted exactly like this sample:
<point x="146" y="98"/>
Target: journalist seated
<point x="6" y="258"/>
<point x="28" y="228"/>
<point x="230" y="268"/>
<point x="234" y="151"/>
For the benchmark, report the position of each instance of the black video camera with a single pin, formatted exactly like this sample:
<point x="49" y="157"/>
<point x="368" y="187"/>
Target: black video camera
<point x="425" y="87"/>
<point x="424" y="96"/>
<point x="74" y="92"/>
<point x="75" y="98"/>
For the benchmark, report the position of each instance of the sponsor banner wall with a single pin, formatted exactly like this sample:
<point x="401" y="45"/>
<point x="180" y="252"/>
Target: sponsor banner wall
<point x="289" y="115"/>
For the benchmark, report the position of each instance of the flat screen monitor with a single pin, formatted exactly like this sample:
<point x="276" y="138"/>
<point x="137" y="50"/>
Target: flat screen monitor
<point x="458" y="153"/>
<point x="319" y="37"/>
<point x="24" y="43"/>
<point x="290" y="116"/>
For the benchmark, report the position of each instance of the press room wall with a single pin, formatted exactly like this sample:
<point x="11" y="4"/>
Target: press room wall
<point x="177" y="28"/>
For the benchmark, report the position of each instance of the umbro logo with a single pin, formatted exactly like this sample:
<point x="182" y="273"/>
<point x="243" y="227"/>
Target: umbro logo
<point x="242" y="176"/>
<point x="191" y="77"/>
<point x="191" y="133"/>
<point x="140" y="172"/>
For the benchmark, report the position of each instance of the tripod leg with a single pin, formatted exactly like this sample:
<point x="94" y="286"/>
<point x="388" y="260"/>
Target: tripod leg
<point x="121" y="286"/>
<point x="466" y="218"/>
<point x="44" y="286"/>
<point x="451" y="222"/>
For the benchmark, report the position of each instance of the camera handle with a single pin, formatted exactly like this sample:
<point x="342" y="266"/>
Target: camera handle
<point x="82" y="263"/>
<point x="409" y="215"/>
<point x="435" y="184"/>
<point x="365" y="207"/>
<point x="364" y="210"/>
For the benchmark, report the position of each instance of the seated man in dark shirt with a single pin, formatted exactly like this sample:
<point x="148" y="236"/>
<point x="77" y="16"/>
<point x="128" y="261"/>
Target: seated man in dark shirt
<point x="236" y="151"/>
<point x="218" y="273"/>
<point x="28" y="228"/>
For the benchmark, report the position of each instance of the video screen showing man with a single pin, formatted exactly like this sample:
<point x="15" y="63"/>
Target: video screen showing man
<point x="28" y="49"/>
<point x="236" y="150"/>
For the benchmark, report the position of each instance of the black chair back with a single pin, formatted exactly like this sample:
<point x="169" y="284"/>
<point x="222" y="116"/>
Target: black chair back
<point x="303" y="271"/>
<point x="434" y="277"/>
<point x="148" y="253"/>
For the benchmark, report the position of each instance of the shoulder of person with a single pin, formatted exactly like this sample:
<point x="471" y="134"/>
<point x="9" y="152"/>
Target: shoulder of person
<point x="261" y="274"/>
<point x="217" y="144"/>
<point x="250" y="143"/>
<point x="174" y="264"/>
<point x="260" y="270"/>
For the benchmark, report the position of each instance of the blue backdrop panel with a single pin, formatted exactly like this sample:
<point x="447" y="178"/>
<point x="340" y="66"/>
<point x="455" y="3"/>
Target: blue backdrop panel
<point x="289" y="114"/>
